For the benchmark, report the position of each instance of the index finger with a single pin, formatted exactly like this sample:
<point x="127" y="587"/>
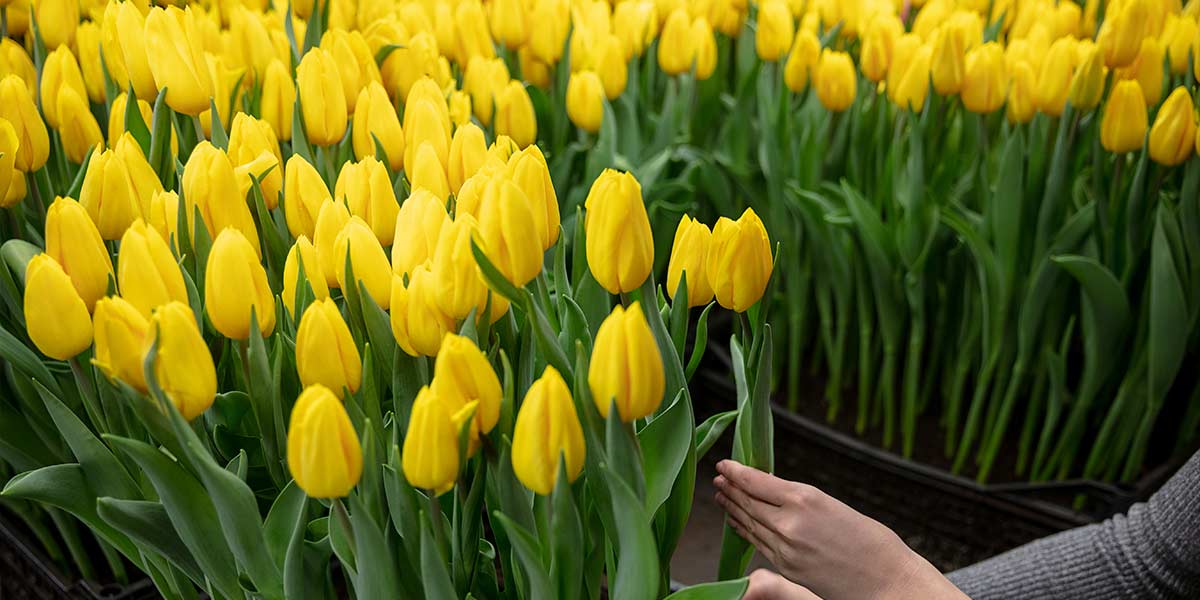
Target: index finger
<point x="758" y="484"/>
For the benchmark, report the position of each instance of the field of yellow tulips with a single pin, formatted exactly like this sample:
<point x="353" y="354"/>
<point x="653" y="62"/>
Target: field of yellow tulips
<point x="394" y="298"/>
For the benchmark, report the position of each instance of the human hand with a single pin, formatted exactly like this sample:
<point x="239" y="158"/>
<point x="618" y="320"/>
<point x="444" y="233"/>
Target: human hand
<point x="819" y="542"/>
<point x="769" y="585"/>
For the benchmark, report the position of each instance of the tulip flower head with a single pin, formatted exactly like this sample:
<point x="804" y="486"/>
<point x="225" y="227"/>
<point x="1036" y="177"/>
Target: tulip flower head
<point x="357" y="245"/>
<point x="73" y="241"/>
<point x="302" y="255"/>
<point x="463" y="376"/>
<point x="322" y="99"/>
<point x="585" y="100"/>
<point x="18" y="108"/>
<point x="304" y="194"/>
<point x="120" y="332"/>
<point x="1174" y="129"/>
<point x="1124" y="124"/>
<point x="418" y="322"/>
<point x="367" y="190"/>
<point x="376" y="119"/>
<point x="235" y="285"/>
<point x="183" y="365"/>
<point x="620" y="244"/>
<point x="626" y="368"/>
<point x="325" y="351"/>
<point x="430" y="456"/>
<point x="739" y="262"/>
<point x="546" y="434"/>
<point x="56" y="317"/>
<point x="689" y="253"/>
<point x="323" y="451"/>
<point x="147" y="273"/>
<point x="836" y="81"/>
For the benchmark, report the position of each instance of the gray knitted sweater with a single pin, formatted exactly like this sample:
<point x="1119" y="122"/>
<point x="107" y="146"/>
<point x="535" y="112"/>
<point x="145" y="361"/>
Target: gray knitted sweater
<point x="1151" y="552"/>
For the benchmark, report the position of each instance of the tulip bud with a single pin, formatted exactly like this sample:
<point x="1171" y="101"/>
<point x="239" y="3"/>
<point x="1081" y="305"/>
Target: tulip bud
<point x="355" y="65"/>
<point x="1147" y="69"/>
<point x="946" y="62"/>
<point x="878" y="45"/>
<point x="367" y="190"/>
<point x="547" y="432"/>
<point x="1087" y="86"/>
<point x="463" y="376"/>
<point x="620" y="245"/>
<point x="508" y="231"/>
<point x="183" y="367"/>
<point x="428" y="173"/>
<point x="17" y="107"/>
<point x="418" y="323"/>
<point x="546" y="40"/>
<point x="9" y="145"/>
<point x="249" y="41"/>
<point x="176" y="61"/>
<point x="634" y="24"/>
<point x="1182" y="40"/>
<point x="304" y="194"/>
<point x="535" y="72"/>
<point x="325" y="351"/>
<point x="73" y="241"/>
<point x="78" y="131"/>
<point x="419" y="224"/>
<point x="56" y="318"/>
<point x="427" y="124"/>
<point x="802" y="61"/>
<point x="57" y="20"/>
<point x="322" y="99"/>
<point x="836" y="81"/>
<point x="467" y="151"/>
<point x="498" y="155"/>
<point x="585" y="100"/>
<point x="514" y="114"/>
<point x="908" y="79"/>
<point x="689" y="253"/>
<point x="705" y="45"/>
<point x="430" y="456"/>
<point x="331" y="219"/>
<point x="458" y="286"/>
<point x="426" y="89"/>
<point x="209" y="184"/>
<point x="474" y="40"/>
<point x="675" y="51"/>
<point x="626" y="368"/>
<point x="60" y="72"/>
<point x="323" y="451"/>
<point x="739" y="261"/>
<point x="528" y="169"/>
<point x="775" y="30"/>
<point x="485" y="80"/>
<point x="376" y="119"/>
<point x="120" y="332"/>
<point x="163" y="216"/>
<point x="1022" y="88"/>
<point x="985" y="81"/>
<point x="278" y="100"/>
<point x="254" y="152"/>
<point x="147" y="273"/>
<point x="406" y="66"/>
<point x="236" y="284"/>
<point x="508" y="23"/>
<point x="460" y="109"/>
<point x="1121" y="35"/>
<point x="15" y="60"/>
<point x="366" y="257"/>
<point x="1174" y="129"/>
<point x="131" y="41"/>
<point x="302" y="254"/>
<point x="1124" y="124"/>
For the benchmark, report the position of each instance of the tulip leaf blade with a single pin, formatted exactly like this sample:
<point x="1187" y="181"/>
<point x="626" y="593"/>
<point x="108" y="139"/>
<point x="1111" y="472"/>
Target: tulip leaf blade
<point x="708" y="432"/>
<point x="402" y="504"/>
<point x="565" y="567"/>
<point x="718" y="590"/>
<point x="148" y="525"/>
<point x="300" y="143"/>
<point x="621" y="449"/>
<point x="434" y="576"/>
<point x="289" y="28"/>
<point x="134" y="123"/>
<point x="700" y="344"/>
<point x="24" y="360"/>
<point x="665" y="442"/>
<point x="289" y="505"/>
<point x="376" y="568"/>
<point x="216" y="129"/>
<point x="77" y="183"/>
<point x="529" y="552"/>
<point x="108" y="477"/>
<point x="637" y="574"/>
<point x="494" y="278"/>
<point x="378" y="327"/>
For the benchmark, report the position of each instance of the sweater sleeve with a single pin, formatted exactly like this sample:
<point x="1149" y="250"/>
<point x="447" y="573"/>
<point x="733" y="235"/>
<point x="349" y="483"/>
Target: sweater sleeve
<point x="1151" y="552"/>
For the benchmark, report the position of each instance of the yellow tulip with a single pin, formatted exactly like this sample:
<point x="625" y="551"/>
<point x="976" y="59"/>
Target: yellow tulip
<point x="209" y="184"/>
<point x="302" y="254"/>
<point x="78" y="129"/>
<point x="705" y="45"/>
<point x="620" y="244"/>
<point x="474" y="40"/>
<point x="323" y="451"/>
<point x="1087" y="86"/>
<point x="689" y="253"/>
<point x="467" y="151"/>
<point x="61" y="71"/>
<point x="406" y="66"/>
<point x="528" y="169"/>
<point x="9" y="144"/>
<point x="463" y="376"/>
<point x="57" y="20"/>
<point x="17" y="107"/>
<point x="147" y="273"/>
<point x="1121" y="35"/>
<point x="425" y="126"/>
<point x="535" y="72"/>
<point x="355" y="65"/>
<point x="56" y="318"/>
<point x="626" y="368"/>
<point x="775" y="29"/>
<point x="1147" y="69"/>
<point x="460" y="109"/>
<point x="177" y="61"/>
<point x="325" y="351"/>
<point x="73" y="241"/>
<point x="419" y="225"/>
<point x="366" y="257"/>
<point x="331" y="219"/>
<point x="908" y="79"/>
<point x="546" y="40"/>
<point x="254" y="151"/>
<point x="514" y="114"/>
<point x="802" y="61"/>
<point x="376" y="119"/>
<point x="1181" y="37"/>
<point x="946" y="67"/>
<point x="1124" y="124"/>
<point x="1054" y="77"/>
<point x="130" y="41"/>
<point x="163" y="216"/>
<point x="322" y="99"/>
<point x="634" y="23"/>
<point x="183" y="367"/>
<point x="427" y="172"/>
<point x="120" y="338"/>
<point x="485" y="80"/>
<point x="367" y="190"/>
<point x="877" y="46"/>
<point x="430" y="455"/>
<point x="509" y="233"/>
<point x="14" y="60"/>
<point x="585" y="100"/>
<point x="426" y="89"/>
<point x="458" y="286"/>
<point x="609" y="62"/>
<point x="278" y="99"/>
<point x="985" y="80"/>
<point x="547" y="433"/>
<point x="675" y="51"/>
<point x="836" y="81"/>
<point x="116" y="120"/>
<point x="1174" y="129"/>
<point x="418" y="323"/>
<point x="499" y="154"/>
<point x="739" y="261"/>
<point x="250" y="40"/>
<point x="304" y="193"/>
<point x="1022" y="87"/>
<point x="508" y="23"/>
<point x="235" y="284"/>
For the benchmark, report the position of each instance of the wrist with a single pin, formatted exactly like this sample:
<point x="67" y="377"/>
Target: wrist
<point x="917" y="578"/>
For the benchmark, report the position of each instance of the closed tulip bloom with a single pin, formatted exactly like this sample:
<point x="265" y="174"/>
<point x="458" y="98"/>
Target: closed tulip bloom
<point x="355" y="64"/>
<point x="406" y="66"/>
<point x="426" y="89"/>
<point x="367" y="190"/>
<point x="1147" y="69"/>
<point x="739" y="261"/>
<point x="419" y="225"/>
<point x="514" y="114"/>
<point x="946" y="62"/>
<point x="836" y="81"/>
<point x="427" y="172"/>
<point x="877" y="46"/>
<point x="366" y="257"/>
<point x="17" y="107"/>
<point x="508" y="23"/>
<point x="147" y="273"/>
<point x="131" y="40"/>
<point x="376" y="119"/>
<point x="1124" y="124"/>
<point x="775" y="29"/>
<point x="985" y="81"/>
<point x="78" y="129"/>
<point x="1182" y="40"/>
<point x="163" y="216"/>
<point x="458" y="286"/>
<point x="15" y="60"/>
<point x="1174" y="129"/>
<point x="467" y="152"/>
<point x="802" y="61"/>
<point x="302" y="255"/>
<point x="620" y="244"/>
<point x="689" y="253"/>
<point x="183" y="367"/>
<point x="485" y="80"/>
<point x="325" y="351"/>
<point x="460" y="109"/>
<point x="249" y="38"/>
<point x="1054" y="77"/>
<point x="61" y="71"/>
<point x="236" y="284"/>
<point x="110" y="45"/>
<point x="528" y="169"/>
<point x="912" y="79"/>
<point x="705" y="45"/>
<point x="418" y="322"/>
<point x="278" y="99"/>
<point x="547" y="432"/>
<point x="474" y="39"/>
<point x="1022" y="86"/>
<point x="57" y="20"/>
<point x="116" y="121"/>
<point x="430" y="455"/>
<point x="210" y="185"/>
<point x="56" y="318"/>
<point x="120" y="338"/>
<point x="585" y="100"/>
<point x="1121" y="35"/>
<point x="675" y="51"/>
<point x="323" y="451"/>
<point x="73" y="241"/>
<point x="176" y="61"/>
<point x="626" y="368"/>
<point x="322" y="99"/>
<point x="462" y="376"/>
<point x="254" y="151"/>
<point x="331" y="219"/>
<point x="426" y="127"/>
<point x="304" y="193"/>
<point x="608" y="60"/>
<point x="546" y="40"/>
<point x="509" y="232"/>
<point x="499" y="154"/>
<point x="9" y="144"/>
<point x="1087" y="86"/>
<point x="535" y="72"/>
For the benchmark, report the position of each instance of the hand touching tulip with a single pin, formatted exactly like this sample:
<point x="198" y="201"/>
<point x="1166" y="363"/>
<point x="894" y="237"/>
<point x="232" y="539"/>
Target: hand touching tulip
<point x="822" y="544"/>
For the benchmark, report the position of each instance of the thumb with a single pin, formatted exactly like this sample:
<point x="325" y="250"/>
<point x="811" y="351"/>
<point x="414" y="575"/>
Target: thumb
<point x="769" y="585"/>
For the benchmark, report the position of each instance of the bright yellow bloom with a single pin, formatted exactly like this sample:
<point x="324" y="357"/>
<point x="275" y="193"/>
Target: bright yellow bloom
<point x="323" y="451"/>
<point x="528" y="169"/>
<point x="163" y="216"/>
<point x="474" y="40"/>
<point x="836" y="81"/>
<point x="689" y="253"/>
<point x="1121" y="34"/>
<point x="61" y="71"/>
<point x="463" y="376"/>
<point x="325" y="351"/>
<point x="947" y="62"/>
<point x="585" y="100"/>
<point x="419" y="225"/>
<point x="405" y="66"/>
<point x="183" y="367"/>
<point x="235" y="284"/>
<point x="985" y="81"/>
<point x="773" y="37"/>
<point x="355" y="65"/>
<point x="739" y="262"/>
<point x="509" y="231"/>
<point x="1124" y="125"/>
<point x="375" y="119"/>
<point x="1147" y="69"/>
<point x="1022" y="87"/>
<point x="254" y="151"/>
<point x="17" y="107"/>
<point x="467" y="152"/>
<point x="509" y="23"/>
<point x="1087" y="86"/>
<point x="620" y="244"/>
<point x="57" y="20"/>
<point x="331" y="219"/>
<point x="514" y="114"/>
<point x="1054" y="77"/>
<point x="209" y="184"/>
<point x="418" y="323"/>
<point x="430" y="457"/>
<point x="908" y="78"/>
<point x="366" y="257"/>
<point x="626" y="368"/>
<point x="675" y="51"/>
<point x="1181" y="38"/>
<point x="78" y="129"/>
<point x="304" y="193"/>
<point x="73" y="241"/>
<point x="1174" y="129"/>
<point x="428" y="173"/>
<point x="877" y="46"/>
<point x="705" y="44"/>
<point x="322" y="99"/>
<point x="302" y="254"/>
<point x="460" y="109"/>
<point x="484" y="81"/>
<point x="147" y="273"/>
<point x="458" y="286"/>
<point x="177" y="61"/>
<point x="547" y="432"/>
<point x="120" y="332"/>
<point x="87" y="37"/>
<point x="426" y="122"/>
<point x="56" y="318"/>
<point x="278" y="99"/>
<point x="9" y="144"/>
<point x="367" y="191"/>
<point x="131" y="40"/>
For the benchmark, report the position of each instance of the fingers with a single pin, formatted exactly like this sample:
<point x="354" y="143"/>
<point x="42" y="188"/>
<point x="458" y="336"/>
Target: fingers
<point x="763" y="486"/>
<point x="769" y="585"/>
<point x="757" y="509"/>
<point x="747" y="526"/>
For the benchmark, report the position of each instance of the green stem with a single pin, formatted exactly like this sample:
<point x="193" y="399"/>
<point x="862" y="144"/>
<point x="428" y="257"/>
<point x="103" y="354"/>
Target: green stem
<point x="343" y="518"/>
<point x="439" y="528"/>
<point x="88" y="391"/>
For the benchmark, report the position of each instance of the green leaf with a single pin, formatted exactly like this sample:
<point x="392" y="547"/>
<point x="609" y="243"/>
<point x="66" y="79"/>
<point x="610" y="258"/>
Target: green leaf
<point x="105" y="473"/>
<point x="720" y="590"/>
<point x="378" y="327"/>
<point x="1168" y="316"/>
<point x="434" y="575"/>
<point x="637" y="564"/>
<point x="147" y="524"/>
<point x="708" y="432"/>
<point x="529" y="553"/>
<point x="565" y="560"/>
<point x="494" y="278"/>
<point x="385" y="51"/>
<point x="219" y="138"/>
<point x="25" y="361"/>
<point x="134" y="123"/>
<point x="665" y="442"/>
<point x="622" y="449"/>
<point x="376" y="569"/>
<point x="278" y="528"/>
<point x="77" y="183"/>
